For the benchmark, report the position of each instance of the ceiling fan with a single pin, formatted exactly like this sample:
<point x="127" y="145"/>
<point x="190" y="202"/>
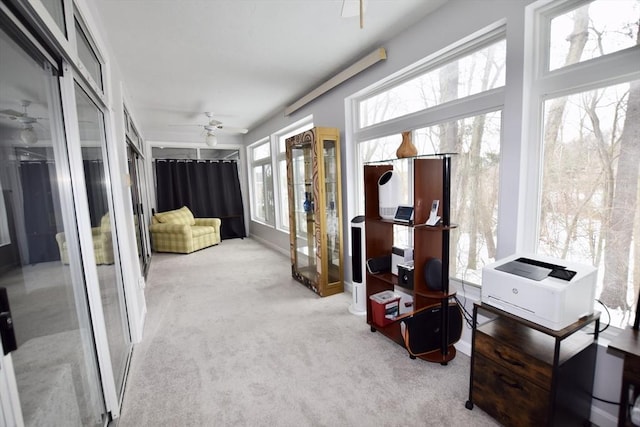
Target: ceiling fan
<point x="27" y="134"/>
<point x="213" y="126"/>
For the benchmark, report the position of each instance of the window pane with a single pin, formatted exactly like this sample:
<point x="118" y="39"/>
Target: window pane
<point x="593" y="30"/>
<point x="268" y="194"/>
<point x="56" y="10"/>
<point x="88" y="57"/>
<point x="589" y="203"/>
<point x="258" y="193"/>
<point x="262" y="151"/>
<point x="478" y="72"/>
<point x="174" y="153"/>
<point x="97" y="180"/>
<point x="284" y="194"/>
<point x="474" y="188"/>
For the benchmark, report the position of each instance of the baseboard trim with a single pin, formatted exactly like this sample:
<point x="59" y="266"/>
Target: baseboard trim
<point x="602" y="418"/>
<point x="269" y="245"/>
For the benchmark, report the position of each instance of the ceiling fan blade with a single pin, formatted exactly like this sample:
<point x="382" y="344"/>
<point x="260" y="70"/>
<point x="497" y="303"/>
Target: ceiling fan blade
<point x="13" y="113"/>
<point x="185" y="125"/>
<point x="232" y="129"/>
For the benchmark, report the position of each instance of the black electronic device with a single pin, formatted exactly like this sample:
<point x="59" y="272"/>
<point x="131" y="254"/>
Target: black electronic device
<point x="423" y="329"/>
<point x="380" y="264"/>
<point x="357" y="248"/>
<point x="404" y="213"/>
<point x="7" y="332"/>
<point x="433" y="274"/>
<point x="405" y="276"/>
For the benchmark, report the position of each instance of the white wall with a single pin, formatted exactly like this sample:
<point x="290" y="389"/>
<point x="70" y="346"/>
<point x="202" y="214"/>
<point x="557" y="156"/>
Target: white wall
<point x="454" y="21"/>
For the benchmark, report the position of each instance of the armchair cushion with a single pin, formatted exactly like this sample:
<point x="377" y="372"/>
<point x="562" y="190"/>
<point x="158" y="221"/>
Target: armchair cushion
<point x="177" y="216"/>
<point x="102" y="243"/>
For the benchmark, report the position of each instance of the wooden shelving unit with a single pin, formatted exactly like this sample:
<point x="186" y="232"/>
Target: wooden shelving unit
<point x="431" y="181"/>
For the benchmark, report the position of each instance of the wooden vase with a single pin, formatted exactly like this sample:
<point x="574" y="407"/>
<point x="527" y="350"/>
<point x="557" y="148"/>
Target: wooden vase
<point x="406" y="148"/>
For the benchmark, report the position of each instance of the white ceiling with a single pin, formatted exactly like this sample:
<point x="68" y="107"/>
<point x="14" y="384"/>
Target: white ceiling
<point x="243" y="60"/>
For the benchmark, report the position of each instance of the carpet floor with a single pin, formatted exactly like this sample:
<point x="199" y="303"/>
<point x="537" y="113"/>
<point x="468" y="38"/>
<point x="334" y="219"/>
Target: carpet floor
<point x="232" y="340"/>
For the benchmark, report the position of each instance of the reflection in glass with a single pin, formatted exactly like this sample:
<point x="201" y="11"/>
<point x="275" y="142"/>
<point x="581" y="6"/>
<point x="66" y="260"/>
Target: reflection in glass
<point x="92" y="139"/>
<point x="88" y="56"/>
<point x="56" y="10"/>
<point x="55" y="363"/>
<point x="304" y="207"/>
<point x="331" y="196"/>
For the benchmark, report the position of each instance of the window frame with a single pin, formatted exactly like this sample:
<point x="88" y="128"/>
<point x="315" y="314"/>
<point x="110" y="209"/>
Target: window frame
<point x="491" y="100"/>
<point x="262" y="162"/>
<point x="541" y="85"/>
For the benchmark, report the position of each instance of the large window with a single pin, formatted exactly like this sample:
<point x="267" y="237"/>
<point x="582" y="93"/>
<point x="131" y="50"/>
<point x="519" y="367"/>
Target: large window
<point x="451" y="104"/>
<point x="470" y="74"/>
<point x="590" y="151"/>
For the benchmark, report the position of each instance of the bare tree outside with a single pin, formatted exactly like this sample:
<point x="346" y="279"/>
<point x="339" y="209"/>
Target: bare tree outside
<point x="591" y="165"/>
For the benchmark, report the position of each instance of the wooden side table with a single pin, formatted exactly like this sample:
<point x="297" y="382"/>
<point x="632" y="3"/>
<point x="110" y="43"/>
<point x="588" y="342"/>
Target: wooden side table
<point x="524" y="374"/>
<point x="628" y="343"/>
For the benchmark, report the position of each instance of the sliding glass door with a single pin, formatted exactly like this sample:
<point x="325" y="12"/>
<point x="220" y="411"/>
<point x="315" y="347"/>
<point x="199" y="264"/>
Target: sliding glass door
<point x="136" y="174"/>
<point x="55" y="363"/>
<point x="95" y="163"/>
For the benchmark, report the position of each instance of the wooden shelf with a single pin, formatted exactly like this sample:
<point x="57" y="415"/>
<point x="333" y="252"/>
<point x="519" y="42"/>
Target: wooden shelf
<point x="431" y="176"/>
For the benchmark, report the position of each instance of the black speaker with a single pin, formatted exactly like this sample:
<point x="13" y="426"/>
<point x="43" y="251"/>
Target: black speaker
<point x="424" y="328"/>
<point x="357" y="249"/>
<point x="433" y="274"/>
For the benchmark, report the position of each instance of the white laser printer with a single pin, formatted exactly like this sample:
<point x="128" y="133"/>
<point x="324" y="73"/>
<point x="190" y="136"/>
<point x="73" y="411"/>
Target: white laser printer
<point x="551" y="292"/>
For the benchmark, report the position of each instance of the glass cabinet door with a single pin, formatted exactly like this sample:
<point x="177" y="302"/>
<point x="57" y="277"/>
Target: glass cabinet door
<point x="303" y="208"/>
<point x="331" y="191"/>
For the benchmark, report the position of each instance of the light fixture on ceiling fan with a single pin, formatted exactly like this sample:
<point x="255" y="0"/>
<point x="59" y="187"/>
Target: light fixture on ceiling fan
<point x="212" y="128"/>
<point x="211" y="139"/>
<point x="27" y="134"/>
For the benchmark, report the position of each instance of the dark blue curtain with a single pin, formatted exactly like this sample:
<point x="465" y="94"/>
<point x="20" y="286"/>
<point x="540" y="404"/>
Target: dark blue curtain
<point x="38" y="212"/>
<point x="211" y="189"/>
<point x="96" y="190"/>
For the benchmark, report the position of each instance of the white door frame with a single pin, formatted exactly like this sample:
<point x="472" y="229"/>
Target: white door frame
<point x="10" y="409"/>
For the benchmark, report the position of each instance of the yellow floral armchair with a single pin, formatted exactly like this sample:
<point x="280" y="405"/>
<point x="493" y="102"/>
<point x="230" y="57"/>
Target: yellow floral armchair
<point x="179" y="232"/>
<point x="102" y="243"/>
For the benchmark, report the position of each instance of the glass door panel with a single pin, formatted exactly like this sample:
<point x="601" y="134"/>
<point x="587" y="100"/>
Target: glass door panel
<point x="97" y="181"/>
<point x="135" y="167"/>
<point x="331" y="197"/>
<point x="55" y="363"/>
<point x="304" y="207"/>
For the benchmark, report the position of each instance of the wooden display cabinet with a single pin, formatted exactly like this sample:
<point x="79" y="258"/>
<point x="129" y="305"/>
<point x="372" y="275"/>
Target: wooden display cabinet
<point x="431" y="181"/>
<point x="524" y="374"/>
<point x="315" y="212"/>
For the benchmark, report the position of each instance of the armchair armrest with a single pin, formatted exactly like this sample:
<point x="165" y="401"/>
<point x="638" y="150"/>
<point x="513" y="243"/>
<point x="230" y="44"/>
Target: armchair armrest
<point x="170" y="228"/>
<point x="211" y="222"/>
